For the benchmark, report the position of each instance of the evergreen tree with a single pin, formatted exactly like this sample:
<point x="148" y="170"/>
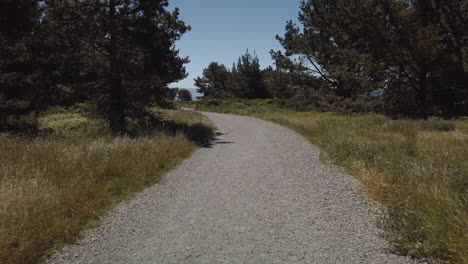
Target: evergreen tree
<point x="290" y="80"/>
<point x="18" y="19"/>
<point x="244" y="80"/>
<point x="185" y="95"/>
<point x="120" y="53"/>
<point x="214" y="82"/>
<point x="172" y="93"/>
<point x="247" y="79"/>
<point x="411" y="50"/>
<point x="142" y="57"/>
<point x="39" y="59"/>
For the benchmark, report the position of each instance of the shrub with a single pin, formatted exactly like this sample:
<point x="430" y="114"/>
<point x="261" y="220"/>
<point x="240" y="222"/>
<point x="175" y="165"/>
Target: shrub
<point x="73" y="120"/>
<point x="437" y="124"/>
<point x="19" y="124"/>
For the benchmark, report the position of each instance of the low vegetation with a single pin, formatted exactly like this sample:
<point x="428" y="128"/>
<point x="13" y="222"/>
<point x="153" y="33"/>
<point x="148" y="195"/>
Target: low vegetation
<point x="60" y="181"/>
<point x="397" y="58"/>
<point x="416" y="169"/>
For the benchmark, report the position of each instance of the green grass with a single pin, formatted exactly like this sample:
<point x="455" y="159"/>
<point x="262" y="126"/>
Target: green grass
<point x="416" y="169"/>
<point x="55" y="185"/>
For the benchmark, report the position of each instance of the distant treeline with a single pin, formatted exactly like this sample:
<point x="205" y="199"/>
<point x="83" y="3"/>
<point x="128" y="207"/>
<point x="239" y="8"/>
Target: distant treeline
<point x="119" y="54"/>
<point x="180" y="94"/>
<point x="399" y="57"/>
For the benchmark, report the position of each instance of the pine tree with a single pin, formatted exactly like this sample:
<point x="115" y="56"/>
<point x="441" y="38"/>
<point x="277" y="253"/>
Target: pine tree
<point x="17" y="21"/>
<point x="142" y="57"/>
<point x="244" y="80"/>
<point x="214" y="83"/>
<point x="119" y="53"/>
<point x="247" y="78"/>
<point x="412" y="51"/>
<point x="185" y="95"/>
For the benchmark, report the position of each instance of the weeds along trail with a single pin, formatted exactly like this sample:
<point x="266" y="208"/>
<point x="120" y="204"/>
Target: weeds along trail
<point x="416" y="169"/>
<point x="258" y="193"/>
<point x="54" y="186"/>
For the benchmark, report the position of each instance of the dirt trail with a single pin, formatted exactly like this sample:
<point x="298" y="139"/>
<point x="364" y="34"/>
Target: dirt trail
<point x="258" y="194"/>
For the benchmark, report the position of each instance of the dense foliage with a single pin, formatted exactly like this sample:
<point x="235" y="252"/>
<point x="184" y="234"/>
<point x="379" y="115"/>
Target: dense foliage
<point x="400" y="57"/>
<point x="410" y="54"/>
<point x="244" y="80"/>
<point x="184" y="95"/>
<point x="119" y="53"/>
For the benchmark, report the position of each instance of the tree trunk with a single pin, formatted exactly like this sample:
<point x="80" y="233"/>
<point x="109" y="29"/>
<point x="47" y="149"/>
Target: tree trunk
<point x="422" y="94"/>
<point x="342" y="91"/>
<point x="116" y="92"/>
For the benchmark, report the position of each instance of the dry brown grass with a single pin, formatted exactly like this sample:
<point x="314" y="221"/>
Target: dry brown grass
<point x="416" y="169"/>
<point x="53" y="187"/>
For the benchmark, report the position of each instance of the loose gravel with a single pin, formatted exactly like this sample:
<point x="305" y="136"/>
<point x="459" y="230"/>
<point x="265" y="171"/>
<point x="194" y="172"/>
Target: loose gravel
<point x="258" y="194"/>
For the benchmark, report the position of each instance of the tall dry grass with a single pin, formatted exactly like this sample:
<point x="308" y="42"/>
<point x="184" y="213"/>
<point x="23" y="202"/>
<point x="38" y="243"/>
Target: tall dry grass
<point x="416" y="169"/>
<point x="54" y="186"/>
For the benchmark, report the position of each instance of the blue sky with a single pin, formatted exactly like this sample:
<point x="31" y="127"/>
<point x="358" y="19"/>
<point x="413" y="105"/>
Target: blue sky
<point x="222" y="30"/>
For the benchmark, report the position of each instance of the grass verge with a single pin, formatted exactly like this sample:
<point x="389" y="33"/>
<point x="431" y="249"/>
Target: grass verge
<point x="416" y="169"/>
<point x="54" y="186"/>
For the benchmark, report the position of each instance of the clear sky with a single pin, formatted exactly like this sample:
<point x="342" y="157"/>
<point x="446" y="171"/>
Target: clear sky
<point x="222" y="30"/>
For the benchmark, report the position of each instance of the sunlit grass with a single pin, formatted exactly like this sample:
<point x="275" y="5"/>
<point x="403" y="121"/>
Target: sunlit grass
<point x="52" y="187"/>
<point x="416" y="169"/>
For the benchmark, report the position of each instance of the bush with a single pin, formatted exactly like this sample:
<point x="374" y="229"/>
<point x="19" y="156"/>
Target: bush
<point x="196" y="127"/>
<point x="19" y="124"/>
<point x="142" y="121"/>
<point x="352" y="106"/>
<point x="211" y="102"/>
<point x="79" y="118"/>
<point x="437" y="124"/>
<point x="73" y="120"/>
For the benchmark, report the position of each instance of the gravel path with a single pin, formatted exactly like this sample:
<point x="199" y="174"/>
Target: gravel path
<point x="258" y="194"/>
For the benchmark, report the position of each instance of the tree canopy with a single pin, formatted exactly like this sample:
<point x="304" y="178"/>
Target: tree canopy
<point x="412" y="51"/>
<point x="243" y="80"/>
<point x="184" y="95"/>
<point x="398" y="57"/>
<point x="119" y="53"/>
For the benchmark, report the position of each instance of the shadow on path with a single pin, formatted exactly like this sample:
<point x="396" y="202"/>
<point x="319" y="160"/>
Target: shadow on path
<point x="215" y="140"/>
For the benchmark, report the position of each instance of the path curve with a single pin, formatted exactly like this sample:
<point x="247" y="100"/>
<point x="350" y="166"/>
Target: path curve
<point x="258" y="194"/>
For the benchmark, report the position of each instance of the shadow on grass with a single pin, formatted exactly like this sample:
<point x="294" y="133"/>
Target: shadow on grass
<point x="198" y="133"/>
